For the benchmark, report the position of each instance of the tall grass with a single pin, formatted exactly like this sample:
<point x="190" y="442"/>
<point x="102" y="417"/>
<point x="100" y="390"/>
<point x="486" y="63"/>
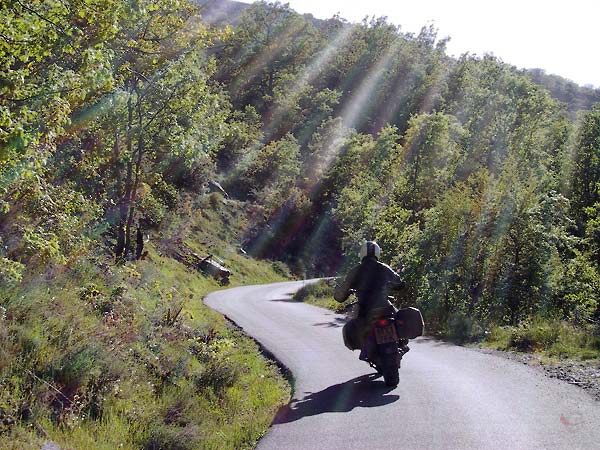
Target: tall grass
<point x="128" y="357"/>
<point x="554" y="338"/>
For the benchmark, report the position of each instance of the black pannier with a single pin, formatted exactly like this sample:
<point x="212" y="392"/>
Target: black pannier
<point x="409" y="323"/>
<point x="351" y="333"/>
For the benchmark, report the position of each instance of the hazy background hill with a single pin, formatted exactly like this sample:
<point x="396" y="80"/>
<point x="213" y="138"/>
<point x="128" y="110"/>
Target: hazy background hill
<point x="218" y="12"/>
<point x="576" y="97"/>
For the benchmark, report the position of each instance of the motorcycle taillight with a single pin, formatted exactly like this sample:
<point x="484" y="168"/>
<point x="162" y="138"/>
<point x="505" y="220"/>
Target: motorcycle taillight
<point x="383" y="322"/>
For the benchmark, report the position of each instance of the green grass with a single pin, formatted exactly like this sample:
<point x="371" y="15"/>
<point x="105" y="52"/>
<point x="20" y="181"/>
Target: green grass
<point x="105" y="356"/>
<point x="551" y="338"/>
<point x="321" y="294"/>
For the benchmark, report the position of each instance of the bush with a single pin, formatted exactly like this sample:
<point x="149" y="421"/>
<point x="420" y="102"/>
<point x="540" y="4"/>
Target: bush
<point x="217" y="375"/>
<point x="320" y="289"/>
<point x="462" y="328"/>
<point x="534" y="336"/>
<point x="214" y="200"/>
<point x="10" y="271"/>
<point x="153" y="210"/>
<point x="74" y="369"/>
<point x="553" y="337"/>
<point x="92" y="295"/>
<point x="280" y="268"/>
<point x="321" y="294"/>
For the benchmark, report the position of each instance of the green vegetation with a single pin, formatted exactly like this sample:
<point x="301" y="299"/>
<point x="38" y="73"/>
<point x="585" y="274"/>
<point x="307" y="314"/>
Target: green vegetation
<point x="556" y="339"/>
<point x="128" y="356"/>
<point x="119" y="120"/>
<point x="321" y="294"/>
<point x="552" y="338"/>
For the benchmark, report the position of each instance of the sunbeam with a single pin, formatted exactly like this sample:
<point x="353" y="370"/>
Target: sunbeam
<point x="350" y="116"/>
<point x="304" y="80"/>
<point x="362" y="98"/>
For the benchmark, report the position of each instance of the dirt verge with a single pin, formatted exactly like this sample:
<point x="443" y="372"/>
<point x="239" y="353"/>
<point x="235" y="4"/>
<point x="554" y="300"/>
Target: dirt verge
<point x="584" y="374"/>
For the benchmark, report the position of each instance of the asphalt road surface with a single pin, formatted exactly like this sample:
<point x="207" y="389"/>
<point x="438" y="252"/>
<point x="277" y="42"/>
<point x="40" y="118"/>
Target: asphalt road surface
<point x="449" y="397"/>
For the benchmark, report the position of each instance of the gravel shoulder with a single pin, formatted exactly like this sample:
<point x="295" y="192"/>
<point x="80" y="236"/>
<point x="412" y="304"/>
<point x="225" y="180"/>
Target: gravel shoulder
<point x="584" y="374"/>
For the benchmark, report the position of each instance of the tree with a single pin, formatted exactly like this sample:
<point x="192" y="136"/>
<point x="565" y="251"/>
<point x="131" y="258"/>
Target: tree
<point x="586" y="167"/>
<point x="431" y="154"/>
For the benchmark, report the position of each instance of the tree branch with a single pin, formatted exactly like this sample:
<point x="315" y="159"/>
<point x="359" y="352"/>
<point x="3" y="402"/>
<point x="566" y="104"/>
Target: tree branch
<point x="45" y="19"/>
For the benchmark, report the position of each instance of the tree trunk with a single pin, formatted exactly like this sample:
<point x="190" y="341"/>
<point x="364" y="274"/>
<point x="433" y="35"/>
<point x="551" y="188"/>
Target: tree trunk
<point x="136" y="179"/>
<point x="126" y="199"/>
<point x="118" y="167"/>
<point x="139" y="243"/>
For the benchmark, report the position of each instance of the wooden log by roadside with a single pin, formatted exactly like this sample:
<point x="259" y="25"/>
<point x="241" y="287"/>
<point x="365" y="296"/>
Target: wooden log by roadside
<point x="205" y="264"/>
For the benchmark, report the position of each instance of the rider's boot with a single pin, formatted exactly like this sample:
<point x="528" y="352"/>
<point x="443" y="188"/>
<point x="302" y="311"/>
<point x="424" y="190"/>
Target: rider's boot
<point x="403" y="345"/>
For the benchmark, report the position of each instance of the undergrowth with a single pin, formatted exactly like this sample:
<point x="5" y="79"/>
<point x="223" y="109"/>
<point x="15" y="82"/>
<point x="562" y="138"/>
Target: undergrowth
<point x="321" y="294"/>
<point x="106" y="356"/>
<point x="553" y="338"/>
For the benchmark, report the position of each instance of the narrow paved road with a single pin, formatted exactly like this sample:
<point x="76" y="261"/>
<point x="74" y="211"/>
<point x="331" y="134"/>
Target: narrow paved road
<point x="449" y="397"/>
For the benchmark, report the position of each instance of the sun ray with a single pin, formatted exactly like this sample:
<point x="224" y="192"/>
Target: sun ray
<point x="350" y="115"/>
<point x="263" y="59"/>
<point x="363" y="97"/>
<point x="307" y="76"/>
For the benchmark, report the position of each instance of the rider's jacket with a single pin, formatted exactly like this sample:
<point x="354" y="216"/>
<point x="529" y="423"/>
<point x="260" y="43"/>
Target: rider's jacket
<point x="371" y="279"/>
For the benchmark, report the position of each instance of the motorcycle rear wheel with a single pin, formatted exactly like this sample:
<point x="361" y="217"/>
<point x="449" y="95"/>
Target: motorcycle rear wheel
<point x="391" y="375"/>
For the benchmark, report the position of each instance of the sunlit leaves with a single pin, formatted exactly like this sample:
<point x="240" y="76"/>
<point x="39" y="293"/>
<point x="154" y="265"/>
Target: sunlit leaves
<point x="73" y="69"/>
<point x="586" y="166"/>
<point x="52" y="60"/>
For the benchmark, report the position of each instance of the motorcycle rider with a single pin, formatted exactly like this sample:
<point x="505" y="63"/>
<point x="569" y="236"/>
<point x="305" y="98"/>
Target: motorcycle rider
<point x="370" y="280"/>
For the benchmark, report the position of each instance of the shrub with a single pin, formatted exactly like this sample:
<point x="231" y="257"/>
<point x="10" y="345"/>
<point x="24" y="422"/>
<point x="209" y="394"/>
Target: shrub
<point x="73" y="370"/>
<point x="463" y="328"/>
<point x="280" y="268"/>
<point x="218" y="374"/>
<point x="214" y="199"/>
<point x="92" y="295"/>
<point x="320" y="289"/>
<point x="537" y="335"/>
<point x="153" y="210"/>
<point x="10" y="271"/>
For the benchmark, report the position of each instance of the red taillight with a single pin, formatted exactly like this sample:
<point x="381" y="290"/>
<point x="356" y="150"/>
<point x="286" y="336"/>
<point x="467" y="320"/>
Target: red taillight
<point x="383" y="322"/>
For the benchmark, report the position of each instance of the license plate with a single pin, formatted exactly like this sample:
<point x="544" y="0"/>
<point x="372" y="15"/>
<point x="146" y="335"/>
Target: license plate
<point x="385" y="335"/>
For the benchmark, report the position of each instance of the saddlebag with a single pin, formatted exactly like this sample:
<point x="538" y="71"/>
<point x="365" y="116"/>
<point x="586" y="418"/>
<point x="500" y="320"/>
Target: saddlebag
<point x="409" y="323"/>
<point x="350" y="334"/>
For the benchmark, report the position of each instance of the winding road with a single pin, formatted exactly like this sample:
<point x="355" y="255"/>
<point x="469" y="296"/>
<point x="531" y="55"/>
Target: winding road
<point x="449" y="397"/>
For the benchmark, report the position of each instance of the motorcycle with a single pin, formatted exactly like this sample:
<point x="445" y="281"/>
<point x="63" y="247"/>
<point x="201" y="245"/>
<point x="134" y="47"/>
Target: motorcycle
<point x="382" y="350"/>
<point x="385" y="342"/>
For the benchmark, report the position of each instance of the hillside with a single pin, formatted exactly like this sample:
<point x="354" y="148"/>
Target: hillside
<point x="220" y="13"/>
<point x="279" y="141"/>
<point x="576" y="98"/>
<point x="108" y="356"/>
